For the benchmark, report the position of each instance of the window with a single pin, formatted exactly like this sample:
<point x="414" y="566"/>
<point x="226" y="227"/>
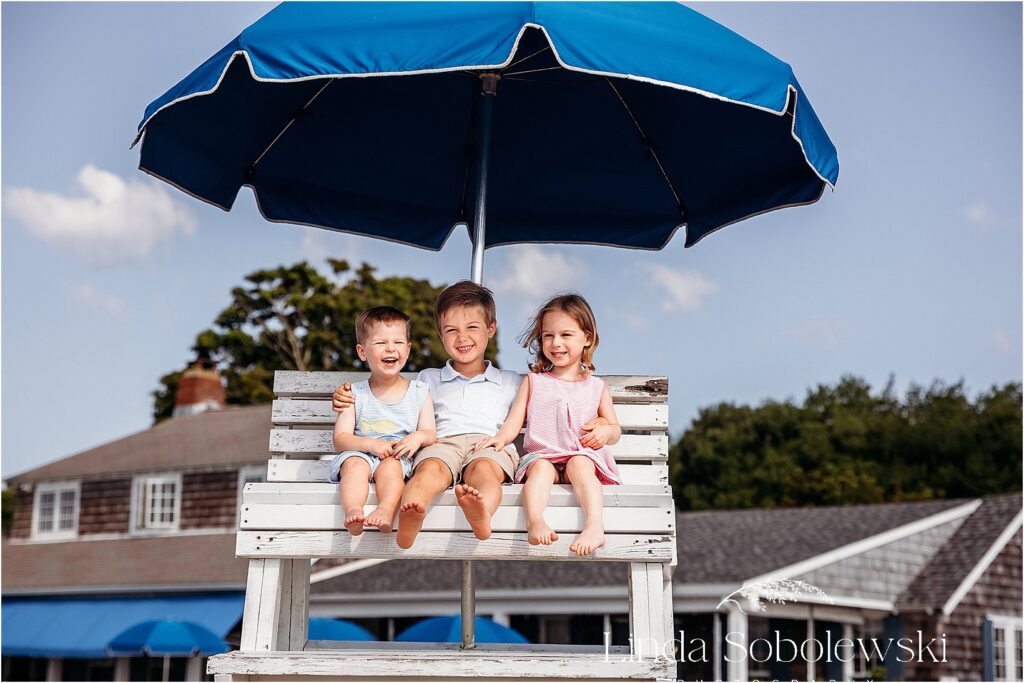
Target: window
<point x="1006" y="655"/>
<point x="56" y="510"/>
<point x="867" y="659"/>
<point x="156" y="503"/>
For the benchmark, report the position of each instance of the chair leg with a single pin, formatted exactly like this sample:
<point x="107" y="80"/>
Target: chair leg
<point x="261" y="617"/>
<point x="647" y="619"/>
<point x="298" y="606"/>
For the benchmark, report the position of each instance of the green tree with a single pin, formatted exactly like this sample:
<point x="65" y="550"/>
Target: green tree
<point x="297" y="318"/>
<point x="845" y="444"/>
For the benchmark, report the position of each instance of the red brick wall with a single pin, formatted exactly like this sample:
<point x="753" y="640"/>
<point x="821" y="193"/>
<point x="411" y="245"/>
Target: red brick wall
<point x="998" y="591"/>
<point x="105" y="506"/>
<point x="209" y="499"/>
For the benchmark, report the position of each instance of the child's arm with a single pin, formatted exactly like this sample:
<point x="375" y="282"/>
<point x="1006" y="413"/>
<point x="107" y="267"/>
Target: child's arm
<point x="599" y="435"/>
<point x="513" y="423"/>
<point x="425" y="434"/>
<point x="343" y="398"/>
<point x="346" y="440"/>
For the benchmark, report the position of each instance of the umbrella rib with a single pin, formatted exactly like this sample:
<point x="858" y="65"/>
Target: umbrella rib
<point x="529" y="56"/>
<point x="650" y="148"/>
<point x="277" y="137"/>
<point x="531" y="71"/>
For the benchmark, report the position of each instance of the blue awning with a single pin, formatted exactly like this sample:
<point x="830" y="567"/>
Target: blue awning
<point x="82" y="627"/>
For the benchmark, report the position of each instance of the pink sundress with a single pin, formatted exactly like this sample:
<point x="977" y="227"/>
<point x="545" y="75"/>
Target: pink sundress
<point x="555" y="413"/>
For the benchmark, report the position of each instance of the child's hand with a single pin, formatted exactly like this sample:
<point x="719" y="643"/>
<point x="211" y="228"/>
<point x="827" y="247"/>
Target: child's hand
<point x="408" y="445"/>
<point x="493" y="442"/>
<point x="596" y="435"/>
<point x="343" y="398"/>
<point x="382" y="449"/>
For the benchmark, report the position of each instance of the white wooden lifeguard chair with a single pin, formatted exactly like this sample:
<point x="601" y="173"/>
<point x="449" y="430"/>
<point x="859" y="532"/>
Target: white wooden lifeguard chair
<point x="295" y="517"/>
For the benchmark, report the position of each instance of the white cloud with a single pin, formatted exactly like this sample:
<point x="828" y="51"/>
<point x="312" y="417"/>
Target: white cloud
<point x="108" y="220"/>
<point x="90" y="296"/>
<point x="532" y="272"/>
<point x="635" y="321"/>
<point x="979" y="214"/>
<point x="822" y="330"/>
<point x="1001" y="343"/>
<point x="682" y="290"/>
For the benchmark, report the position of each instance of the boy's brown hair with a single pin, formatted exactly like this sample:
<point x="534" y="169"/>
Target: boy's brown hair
<point x="573" y="305"/>
<point x="464" y="293"/>
<point x="377" y="315"/>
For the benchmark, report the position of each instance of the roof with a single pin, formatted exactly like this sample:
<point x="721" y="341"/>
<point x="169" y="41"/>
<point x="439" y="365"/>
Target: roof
<point x="955" y="560"/>
<point x="719" y="546"/>
<point x="216" y="437"/>
<point x="728" y="546"/>
<point x="126" y="563"/>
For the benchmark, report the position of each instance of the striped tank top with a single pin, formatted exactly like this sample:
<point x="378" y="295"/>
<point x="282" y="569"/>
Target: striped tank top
<point x="376" y="419"/>
<point x="555" y="414"/>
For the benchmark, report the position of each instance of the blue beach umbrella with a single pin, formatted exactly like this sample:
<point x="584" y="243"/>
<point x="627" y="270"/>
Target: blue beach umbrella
<point x="337" y="629"/>
<point x="167" y="637"/>
<point x="449" y="630"/>
<point x="598" y="123"/>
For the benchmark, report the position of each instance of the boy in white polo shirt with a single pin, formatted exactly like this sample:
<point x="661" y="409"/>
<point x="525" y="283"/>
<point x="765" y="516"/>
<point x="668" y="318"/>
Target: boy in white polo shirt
<point x="471" y="401"/>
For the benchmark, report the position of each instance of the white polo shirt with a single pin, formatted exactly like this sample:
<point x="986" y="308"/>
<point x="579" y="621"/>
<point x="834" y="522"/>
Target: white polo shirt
<point x="464" y="405"/>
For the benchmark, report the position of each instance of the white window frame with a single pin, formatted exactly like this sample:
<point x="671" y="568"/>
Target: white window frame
<point x="140" y="480"/>
<point x="1010" y="626"/>
<point x="56" y="487"/>
<point x="243" y="474"/>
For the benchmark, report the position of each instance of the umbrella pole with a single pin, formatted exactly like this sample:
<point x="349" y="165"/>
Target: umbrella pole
<point x="488" y="91"/>
<point x="468" y="607"/>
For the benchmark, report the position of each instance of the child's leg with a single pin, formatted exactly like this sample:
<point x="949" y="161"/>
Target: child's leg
<point x="430" y="478"/>
<point x="480" y="496"/>
<point x="540" y="477"/>
<point x="389" y="482"/>
<point x="353" y="489"/>
<point x="587" y="489"/>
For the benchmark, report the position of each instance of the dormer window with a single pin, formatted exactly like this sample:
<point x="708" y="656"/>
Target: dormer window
<point x="55" y="510"/>
<point x="156" y="503"/>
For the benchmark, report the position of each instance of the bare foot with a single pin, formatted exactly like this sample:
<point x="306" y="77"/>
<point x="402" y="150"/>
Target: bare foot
<point x="410" y="519"/>
<point x="589" y="540"/>
<point x="539" y="533"/>
<point x="472" y="503"/>
<point x="381" y="519"/>
<point x="354" y="521"/>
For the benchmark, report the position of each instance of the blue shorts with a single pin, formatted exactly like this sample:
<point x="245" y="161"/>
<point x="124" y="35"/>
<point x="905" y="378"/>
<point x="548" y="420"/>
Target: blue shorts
<point x="334" y="470"/>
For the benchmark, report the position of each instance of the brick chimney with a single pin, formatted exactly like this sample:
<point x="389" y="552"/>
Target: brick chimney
<point x="199" y="389"/>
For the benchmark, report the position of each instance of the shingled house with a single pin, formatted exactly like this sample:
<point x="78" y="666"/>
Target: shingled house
<point x="143" y="528"/>
<point x="948" y="567"/>
<point x="140" y="528"/>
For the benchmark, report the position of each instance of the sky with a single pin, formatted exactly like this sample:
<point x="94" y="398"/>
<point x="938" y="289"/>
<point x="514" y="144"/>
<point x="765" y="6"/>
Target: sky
<point x="910" y="268"/>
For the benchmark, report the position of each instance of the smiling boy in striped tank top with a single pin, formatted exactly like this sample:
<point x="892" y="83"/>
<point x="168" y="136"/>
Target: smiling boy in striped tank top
<point x="393" y="419"/>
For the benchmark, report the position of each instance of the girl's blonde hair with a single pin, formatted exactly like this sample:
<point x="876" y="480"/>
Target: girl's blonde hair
<point x="573" y="305"/>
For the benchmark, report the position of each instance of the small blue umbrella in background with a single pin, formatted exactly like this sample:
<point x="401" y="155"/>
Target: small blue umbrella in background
<point x="449" y="630"/>
<point x="166" y="637"/>
<point x="599" y="123"/>
<point x="337" y="629"/>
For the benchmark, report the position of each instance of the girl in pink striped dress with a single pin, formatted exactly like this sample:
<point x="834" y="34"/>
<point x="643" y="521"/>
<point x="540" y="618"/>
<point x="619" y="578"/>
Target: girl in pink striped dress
<point x="569" y="421"/>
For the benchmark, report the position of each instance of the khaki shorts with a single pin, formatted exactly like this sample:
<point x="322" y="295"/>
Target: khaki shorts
<point x="457" y="453"/>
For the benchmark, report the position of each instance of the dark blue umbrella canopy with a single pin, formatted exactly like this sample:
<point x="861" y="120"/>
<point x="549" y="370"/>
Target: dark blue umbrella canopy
<point x="337" y="629"/>
<point x="448" y="629"/>
<point x="613" y="123"/>
<point x="167" y="637"/>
